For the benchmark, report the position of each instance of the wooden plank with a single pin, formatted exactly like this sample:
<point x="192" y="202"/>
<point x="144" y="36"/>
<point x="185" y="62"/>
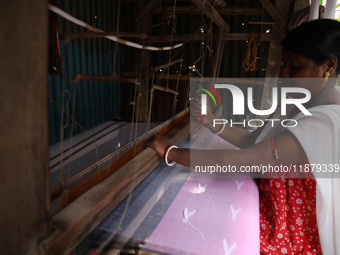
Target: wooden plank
<point x="261" y="23"/>
<point x="172" y="77"/>
<point x="92" y="77"/>
<point x="163" y="76"/>
<point x="157" y="68"/>
<point x="80" y="217"/>
<point x="193" y="10"/>
<point x="196" y="71"/>
<point x="226" y="37"/>
<point x="211" y="12"/>
<point x="165" y="89"/>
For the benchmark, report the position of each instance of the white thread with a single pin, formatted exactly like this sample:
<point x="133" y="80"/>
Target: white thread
<point x="167" y="154"/>
<point x="187" y="215"/>
<point x="202" y="190"/>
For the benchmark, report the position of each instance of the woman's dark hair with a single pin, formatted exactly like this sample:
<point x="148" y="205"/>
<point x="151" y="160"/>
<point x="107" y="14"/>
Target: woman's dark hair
<point x="317" y="40"/>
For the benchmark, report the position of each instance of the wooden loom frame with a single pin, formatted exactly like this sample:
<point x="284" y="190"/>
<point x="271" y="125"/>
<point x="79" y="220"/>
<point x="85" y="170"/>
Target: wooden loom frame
<point x="34" y="79"/>
<point x="79" y="218"/>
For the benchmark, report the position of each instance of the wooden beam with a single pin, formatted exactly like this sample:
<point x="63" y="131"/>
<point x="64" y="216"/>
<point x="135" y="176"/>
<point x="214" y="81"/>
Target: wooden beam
<point x="261" y="23"/>
<point x="165" y="89"/>
<point x="157" y="68"/>
<point x="24" y="201"/>
<point x="172" y="77"/>
<point x="146" y="9"/>
<point x="163" y="76"/>
<point x="193" y="10"/>
<point x="226" y="37"/>
<point x="211" y="12"/>
<point x="80" y="217"/>
<point x="111" y="78"/>
<point x="196" y="71"/>
<point x="275" y="14"/>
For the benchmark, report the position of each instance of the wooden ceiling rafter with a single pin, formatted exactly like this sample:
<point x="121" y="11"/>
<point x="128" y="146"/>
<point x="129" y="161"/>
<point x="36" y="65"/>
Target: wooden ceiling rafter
<point x="274" y="13"/>
<point x="212" y="13"/>
<point x="148" y="7"/>
<point x="226" y="37"/>
<point x="194" y="10"/>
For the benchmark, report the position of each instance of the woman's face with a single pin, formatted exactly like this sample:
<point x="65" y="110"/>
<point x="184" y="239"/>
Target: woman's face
<point x="298" y="66"/>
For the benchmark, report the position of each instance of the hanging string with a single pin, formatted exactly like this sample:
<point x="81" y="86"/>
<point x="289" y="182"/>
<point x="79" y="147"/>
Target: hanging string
<point x="150" y="104"/>
<point x="175" y="99"/>
<point x="62" y="126"/>
<point x="173" y="29"/>
<point x="68" y="115"/>
<point x="113" y="38"/>
<point x="116" y="44"/>
<point x="137" y="101"/>
<point x="71" y="141"/>
<point x="211" y="31"/>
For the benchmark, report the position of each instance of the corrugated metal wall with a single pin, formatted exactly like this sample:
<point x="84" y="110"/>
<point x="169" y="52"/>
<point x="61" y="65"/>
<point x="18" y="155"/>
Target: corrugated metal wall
<point x="87" y="103"/>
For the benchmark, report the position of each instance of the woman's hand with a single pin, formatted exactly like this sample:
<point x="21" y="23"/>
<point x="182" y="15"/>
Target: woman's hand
<point x="158" y="142"/>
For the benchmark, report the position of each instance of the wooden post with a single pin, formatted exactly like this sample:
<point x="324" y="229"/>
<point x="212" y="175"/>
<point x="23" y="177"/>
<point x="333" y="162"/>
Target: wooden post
<point x="143" y="65"/>
<point x="274" y="54"/>
<point x="218" y="53"/>
<point x="24" y="197"/>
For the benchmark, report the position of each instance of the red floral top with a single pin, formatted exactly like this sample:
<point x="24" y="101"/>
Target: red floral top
<point x="288" y="216"/>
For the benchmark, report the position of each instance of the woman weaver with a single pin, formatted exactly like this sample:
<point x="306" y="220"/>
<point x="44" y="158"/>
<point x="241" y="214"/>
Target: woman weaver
<point x="297" y="214"/>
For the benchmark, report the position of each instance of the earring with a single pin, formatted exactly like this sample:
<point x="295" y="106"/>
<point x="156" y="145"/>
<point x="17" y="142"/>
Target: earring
<point x="327" y="74"/>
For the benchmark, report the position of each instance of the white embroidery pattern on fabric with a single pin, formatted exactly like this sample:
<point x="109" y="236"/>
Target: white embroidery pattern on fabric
<point x="239" y="184"/>
<point x="187" y="215"/>
<point x="234" y="212"/>
<point x="228" y="250"/>
<point x="202" y="189"/>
